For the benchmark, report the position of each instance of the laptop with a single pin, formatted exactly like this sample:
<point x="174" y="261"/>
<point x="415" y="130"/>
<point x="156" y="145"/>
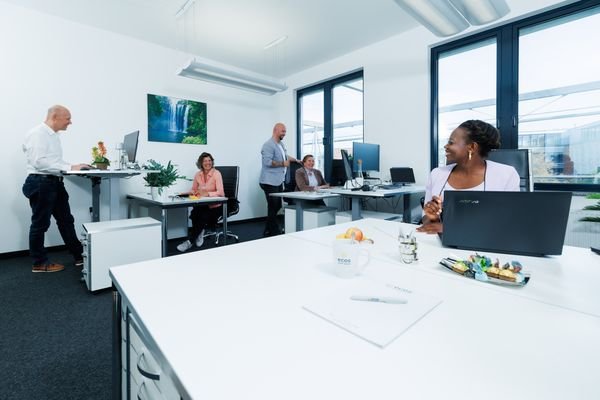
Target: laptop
<point x="527" y="223"/>
<point x="401" y="176"/>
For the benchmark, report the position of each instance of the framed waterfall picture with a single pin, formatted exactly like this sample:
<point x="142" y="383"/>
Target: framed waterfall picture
<point x="176" y="120"/>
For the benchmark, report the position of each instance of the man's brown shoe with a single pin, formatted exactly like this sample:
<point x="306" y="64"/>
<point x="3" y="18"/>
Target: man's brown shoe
<point x="49" y="267"/>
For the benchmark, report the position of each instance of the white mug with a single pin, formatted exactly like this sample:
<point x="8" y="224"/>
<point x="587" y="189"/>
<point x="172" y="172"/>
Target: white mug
<point x="350" y="257"/>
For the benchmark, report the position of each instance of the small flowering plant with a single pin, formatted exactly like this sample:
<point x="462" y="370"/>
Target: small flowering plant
<point x="99" y="154"/>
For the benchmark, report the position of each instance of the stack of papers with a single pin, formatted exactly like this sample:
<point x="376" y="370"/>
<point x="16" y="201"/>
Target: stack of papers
<point x="375" y="312"/>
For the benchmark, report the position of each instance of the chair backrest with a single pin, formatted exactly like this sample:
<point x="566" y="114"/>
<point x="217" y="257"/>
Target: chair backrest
<point x="231" y="183"/>
<point x="290" y="186"/>
<point x="520" y="160"/>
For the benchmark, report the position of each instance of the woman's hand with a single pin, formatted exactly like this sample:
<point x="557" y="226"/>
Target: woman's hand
<point x="433" y="209"/>
<point x="431" y="228"/>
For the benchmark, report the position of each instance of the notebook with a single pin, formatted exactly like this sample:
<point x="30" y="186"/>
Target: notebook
<point x="375" y="312"/>
<point x="527" y="223"/>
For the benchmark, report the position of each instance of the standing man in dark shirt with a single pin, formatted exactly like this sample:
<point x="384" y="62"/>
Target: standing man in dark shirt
<point x="275" y="162"/>
<point x="45" y="189"/>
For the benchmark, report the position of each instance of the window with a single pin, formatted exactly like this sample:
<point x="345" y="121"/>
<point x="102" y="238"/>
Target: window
<point x="537" y="81"/>
<point x="330" y="118"/>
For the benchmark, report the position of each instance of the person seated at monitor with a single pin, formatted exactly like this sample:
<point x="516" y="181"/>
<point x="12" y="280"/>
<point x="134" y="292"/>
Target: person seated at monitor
<point x="309" y="179"/>
<point x="208" y="182"/>
<point x="466" y="169"/>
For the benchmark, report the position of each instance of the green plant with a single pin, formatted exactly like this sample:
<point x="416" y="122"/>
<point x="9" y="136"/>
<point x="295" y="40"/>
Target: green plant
<point x="99" y="154"/>
<point x="593" y="207"/>
<point x="164" y="177"/>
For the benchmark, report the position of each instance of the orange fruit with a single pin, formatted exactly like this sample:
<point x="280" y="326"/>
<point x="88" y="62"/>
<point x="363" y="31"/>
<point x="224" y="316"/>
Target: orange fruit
<point x="358" y="235"/>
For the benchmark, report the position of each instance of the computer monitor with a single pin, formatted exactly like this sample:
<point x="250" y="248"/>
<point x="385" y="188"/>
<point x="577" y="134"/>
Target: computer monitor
<point x="347" y="165"/>
<point x="338" y="173"/>
<point x="368" y="153"/>
<point x="130" y="145"/>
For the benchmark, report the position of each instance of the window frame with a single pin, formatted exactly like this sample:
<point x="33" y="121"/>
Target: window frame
<point x="327" y="88"/>
<point x="507" y="81"/>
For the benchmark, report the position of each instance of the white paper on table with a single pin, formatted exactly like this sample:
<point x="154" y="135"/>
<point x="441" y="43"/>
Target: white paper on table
<point x="376" y="322"/>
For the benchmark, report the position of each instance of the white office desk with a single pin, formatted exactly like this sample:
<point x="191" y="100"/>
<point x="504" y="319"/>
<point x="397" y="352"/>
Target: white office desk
<point x="114" y="188"/>
<point x="300" y="199"/>
<point x="356" y="195"/>
<point x="145" y="199"/>
<point x="228" y="323"/>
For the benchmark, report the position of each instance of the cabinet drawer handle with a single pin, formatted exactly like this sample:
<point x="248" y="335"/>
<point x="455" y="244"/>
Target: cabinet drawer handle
<point x="155" y="376"/>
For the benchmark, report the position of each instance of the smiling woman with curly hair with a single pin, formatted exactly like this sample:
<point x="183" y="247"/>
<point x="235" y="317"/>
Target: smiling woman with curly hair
<point x="467" y="168"/>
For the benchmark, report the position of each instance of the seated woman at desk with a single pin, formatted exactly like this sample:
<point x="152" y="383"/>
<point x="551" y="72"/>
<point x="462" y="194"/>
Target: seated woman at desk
<point x="309" y="179"/>
<point x="466" y="169"/>
<point x="208" y="182"/>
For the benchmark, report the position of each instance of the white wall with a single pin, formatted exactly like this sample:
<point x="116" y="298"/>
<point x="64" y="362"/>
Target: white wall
<point x="103" y="78"/>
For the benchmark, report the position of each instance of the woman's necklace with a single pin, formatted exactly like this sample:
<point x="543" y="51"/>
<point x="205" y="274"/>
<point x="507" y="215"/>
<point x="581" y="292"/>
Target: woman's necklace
<point x="484" y="177"/>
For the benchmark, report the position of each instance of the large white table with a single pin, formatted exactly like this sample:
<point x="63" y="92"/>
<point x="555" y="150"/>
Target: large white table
<point x="146" y="200"/>
<point x="114" y="188"/>
<point x="301" y="199"/>
<point x="356" y="195"/>
<point x="228" y="323"/>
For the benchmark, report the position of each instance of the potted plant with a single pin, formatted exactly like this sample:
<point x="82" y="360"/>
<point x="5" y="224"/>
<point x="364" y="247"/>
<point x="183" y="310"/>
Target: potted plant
<point x="99" y="159"/>
<point x="162" y="178"/>
<point x="593" y="207"/>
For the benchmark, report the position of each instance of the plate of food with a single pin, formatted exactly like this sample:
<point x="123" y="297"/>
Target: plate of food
<point x="482" y="268"/>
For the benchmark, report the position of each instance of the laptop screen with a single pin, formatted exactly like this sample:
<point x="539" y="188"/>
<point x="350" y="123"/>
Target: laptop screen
<point x="402" y="175"/>
<point x="528" y="223"/>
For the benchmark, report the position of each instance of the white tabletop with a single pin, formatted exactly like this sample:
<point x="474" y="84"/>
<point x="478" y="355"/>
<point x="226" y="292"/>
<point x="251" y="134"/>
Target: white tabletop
<point x="174" y="201"/>
<point x="378" y="192"/>
<point x="306" y="195"/>
<point x="228" y="323"/>
<point x="107" y="173"/>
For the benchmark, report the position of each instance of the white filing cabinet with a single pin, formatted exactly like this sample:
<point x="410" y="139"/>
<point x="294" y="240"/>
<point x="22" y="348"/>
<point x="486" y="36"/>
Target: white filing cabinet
<point x="313" y="218"/>
<point x="110" y="243"/>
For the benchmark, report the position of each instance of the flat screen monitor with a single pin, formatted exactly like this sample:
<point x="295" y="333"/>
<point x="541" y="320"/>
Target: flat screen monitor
<point x="130" y="145"/>
<point x="368" y="153"/>
<point x="338" y="173"/>
<point x="347" y="165"/>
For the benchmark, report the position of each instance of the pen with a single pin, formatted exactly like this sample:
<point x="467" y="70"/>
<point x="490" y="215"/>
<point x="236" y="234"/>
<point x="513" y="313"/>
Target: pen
<point x="388" y="300"/>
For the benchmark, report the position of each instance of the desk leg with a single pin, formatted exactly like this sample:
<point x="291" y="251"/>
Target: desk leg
<point x="224" y="223"/>
<point x="406" y="209"/>
<point x="164" y="221"/>
<point x="356" y="214"/>
<point x="114" y="194"/>
<point x="299" y="215"/>
<point x="96" y="198"/>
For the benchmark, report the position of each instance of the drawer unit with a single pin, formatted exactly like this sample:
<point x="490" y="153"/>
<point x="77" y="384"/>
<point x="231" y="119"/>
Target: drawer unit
<point x="146" y="378"/>
<point x="110" y="243"/>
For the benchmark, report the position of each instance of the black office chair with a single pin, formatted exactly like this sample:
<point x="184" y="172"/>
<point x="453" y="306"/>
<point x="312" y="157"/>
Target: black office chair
<point x="231" y="183"/>
<point x="290" y="184"/>
<point x="520" y="160"/>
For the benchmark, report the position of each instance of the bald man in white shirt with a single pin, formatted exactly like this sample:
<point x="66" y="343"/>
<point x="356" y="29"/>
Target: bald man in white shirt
<point x="45" y="189"/>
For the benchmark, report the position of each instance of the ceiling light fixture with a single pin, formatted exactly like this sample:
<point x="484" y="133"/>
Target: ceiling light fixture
<point x="212" y="71"/>
<point x="275" y="42"/>
<point x="479" y="12"/>
<point x="449" y="17"/>
<point x="183" y="9"/>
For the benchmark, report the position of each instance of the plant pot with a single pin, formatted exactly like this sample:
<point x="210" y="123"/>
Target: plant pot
<point x="163" y="196"/>
<point x="101" y="165"/>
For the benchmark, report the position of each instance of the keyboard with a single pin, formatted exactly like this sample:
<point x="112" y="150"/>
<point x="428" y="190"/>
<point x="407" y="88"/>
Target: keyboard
<point x="391" y="186"/>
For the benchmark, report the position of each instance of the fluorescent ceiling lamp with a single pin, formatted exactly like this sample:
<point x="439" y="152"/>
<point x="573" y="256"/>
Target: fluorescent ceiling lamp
<point x="436" y="15"/>
<point x="214" y="72"/>
<point x="479" y="12"/>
